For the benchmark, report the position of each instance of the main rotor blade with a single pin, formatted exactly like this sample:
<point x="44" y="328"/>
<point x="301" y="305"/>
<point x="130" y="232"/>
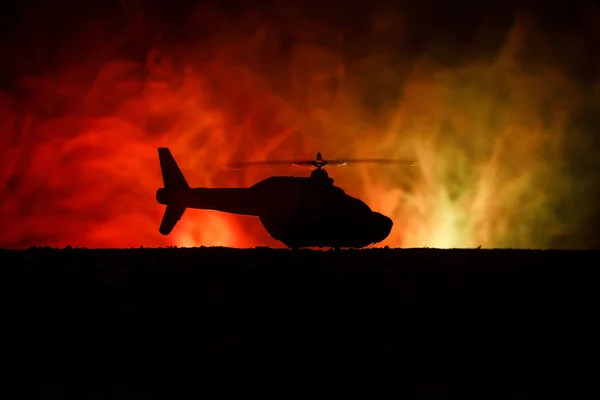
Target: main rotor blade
<point x="249" y="164"/>
<point x="322" y="163"/>
<point x="383" y="161"/>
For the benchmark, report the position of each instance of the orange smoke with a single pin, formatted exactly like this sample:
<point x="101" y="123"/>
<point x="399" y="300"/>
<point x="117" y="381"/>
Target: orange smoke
<point x="79" y="139"/>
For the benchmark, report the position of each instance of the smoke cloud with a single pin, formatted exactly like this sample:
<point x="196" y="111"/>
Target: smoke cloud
<point x="501" y="112"/>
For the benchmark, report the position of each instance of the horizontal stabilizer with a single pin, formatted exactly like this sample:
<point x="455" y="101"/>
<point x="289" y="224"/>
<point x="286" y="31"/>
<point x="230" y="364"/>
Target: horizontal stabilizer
<point x="173" y="214"/>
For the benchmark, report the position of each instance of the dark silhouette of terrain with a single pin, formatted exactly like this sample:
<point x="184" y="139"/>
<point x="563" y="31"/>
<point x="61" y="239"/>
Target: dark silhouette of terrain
<point x="498" y="323"/>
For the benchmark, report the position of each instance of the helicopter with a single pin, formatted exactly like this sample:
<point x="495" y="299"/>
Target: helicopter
<point x="300" y="212"/>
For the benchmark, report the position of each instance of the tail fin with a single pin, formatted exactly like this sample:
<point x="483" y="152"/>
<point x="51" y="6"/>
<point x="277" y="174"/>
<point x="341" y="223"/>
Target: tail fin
<point x="173" y="214"/>
<point x="171" y="174"/>
<point x="173" y="180"/>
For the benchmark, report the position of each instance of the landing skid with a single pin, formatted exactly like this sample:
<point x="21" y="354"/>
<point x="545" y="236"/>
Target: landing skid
<point x="331" y="248"/>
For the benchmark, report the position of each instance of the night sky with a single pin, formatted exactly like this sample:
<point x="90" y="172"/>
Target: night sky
<point x="499" y="103"/>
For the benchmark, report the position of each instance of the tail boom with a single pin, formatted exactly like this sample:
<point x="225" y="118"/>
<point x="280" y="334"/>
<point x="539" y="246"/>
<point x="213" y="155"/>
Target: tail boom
<point x="241" y="201"/>
<point x="178" y="196"/>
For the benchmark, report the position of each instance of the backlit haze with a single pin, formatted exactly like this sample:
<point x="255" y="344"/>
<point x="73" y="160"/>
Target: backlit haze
<point x="497" y="116"/>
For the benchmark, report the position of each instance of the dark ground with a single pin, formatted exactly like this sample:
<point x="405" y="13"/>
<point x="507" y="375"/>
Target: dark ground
<point x="424" y="323"/>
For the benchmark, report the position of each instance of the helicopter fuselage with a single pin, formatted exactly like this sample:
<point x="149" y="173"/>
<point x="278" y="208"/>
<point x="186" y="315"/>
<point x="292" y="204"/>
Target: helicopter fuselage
<point x="297" y="211"/>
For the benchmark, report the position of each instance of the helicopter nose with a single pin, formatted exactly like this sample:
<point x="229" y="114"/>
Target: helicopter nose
<point x="383" y="226"/>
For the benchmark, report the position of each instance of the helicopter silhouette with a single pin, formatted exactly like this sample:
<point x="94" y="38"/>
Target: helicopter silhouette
<point x="297" y="211"/>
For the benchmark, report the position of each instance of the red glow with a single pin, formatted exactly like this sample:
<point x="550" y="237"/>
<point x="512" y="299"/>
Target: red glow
<point x="79" y="141"/>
